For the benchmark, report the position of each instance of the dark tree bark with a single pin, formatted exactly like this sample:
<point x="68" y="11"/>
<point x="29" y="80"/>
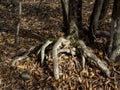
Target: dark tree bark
<point x="65" y="11"/>
<point x="114" y="48"/>
<point x="94" y="18"/>
<point x="104" y="9"/>
<point x="72" y="16"/>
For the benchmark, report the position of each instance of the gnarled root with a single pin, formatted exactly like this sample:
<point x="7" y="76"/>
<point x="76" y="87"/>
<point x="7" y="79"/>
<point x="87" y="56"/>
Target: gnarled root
<point x="61" y="41"/>
<point x="88" y="54"/>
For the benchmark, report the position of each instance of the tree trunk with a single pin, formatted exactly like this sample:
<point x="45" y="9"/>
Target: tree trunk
<point x="104" y="9"/>
<point x="65" y="11"/>
<point x="114" y="48"/>
<point x="72" y="16"/>
<point x="94" y="18"/>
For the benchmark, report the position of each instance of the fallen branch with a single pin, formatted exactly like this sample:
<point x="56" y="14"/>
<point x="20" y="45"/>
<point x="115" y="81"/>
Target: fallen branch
<point x="12" y="56"/>
<point x="88" y="54"/>
<point x="18" y="24"/>
<point x="56" y="47"/>
<point x="23" y="56"/>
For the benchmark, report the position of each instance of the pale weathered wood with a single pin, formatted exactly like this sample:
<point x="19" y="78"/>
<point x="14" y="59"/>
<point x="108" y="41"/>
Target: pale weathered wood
<point x="43" y="50"/>
<point x="56" y="47"/>
<point x="88" y="54"/>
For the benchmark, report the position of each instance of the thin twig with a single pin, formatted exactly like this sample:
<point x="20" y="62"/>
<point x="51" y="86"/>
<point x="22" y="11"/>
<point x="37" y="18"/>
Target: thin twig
<point x="83" y="61"/>
<point x="23" y="56"/>
<point x="18" y="24"/>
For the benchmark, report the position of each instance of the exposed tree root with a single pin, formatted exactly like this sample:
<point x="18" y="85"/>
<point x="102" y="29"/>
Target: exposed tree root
<point x="63" y="45"/>
<point x="103" y="33"/>
<point x="56" y="47"/>
<point x="88" y="54"/>
<point x="43" y="50"/>
<point x="85" y="54"/>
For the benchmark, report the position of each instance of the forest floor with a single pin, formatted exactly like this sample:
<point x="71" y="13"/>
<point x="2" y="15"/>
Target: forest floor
<point x="38" y="24"/>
